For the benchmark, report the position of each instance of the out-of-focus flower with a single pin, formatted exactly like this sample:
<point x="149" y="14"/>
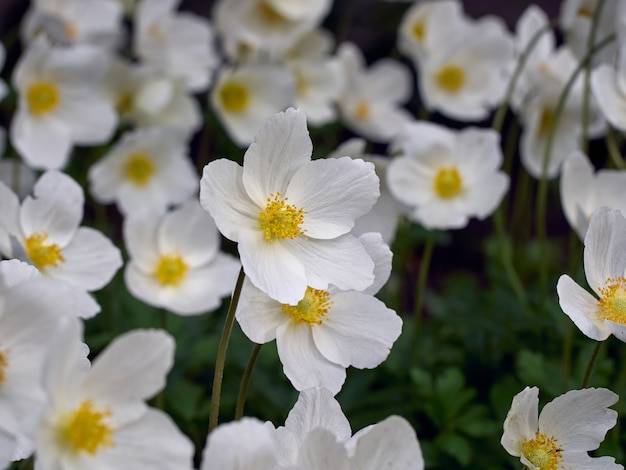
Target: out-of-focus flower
<point x="605" y="265"/>
<point x="67" y="22"/>
<point x="61" y="103"/>
<point x="177" y="44"/>
<point x="175" y="262"/>
<point x="561" y="436"/>
<point x="244" y="97"/>
<point x="292" y="216"/>
<point x="148" y="169"/>
<point x="446" y="177"/>
<point x="608" y="83"/>
<point x="97" y="416"/>
<point x="371" y="98"/>
<point x="467" y="77"/>
<point x="3" y="86"/>
<point x="328" y="330"/>
<point x="583" y="191"/>
<point x="44" y="230"/>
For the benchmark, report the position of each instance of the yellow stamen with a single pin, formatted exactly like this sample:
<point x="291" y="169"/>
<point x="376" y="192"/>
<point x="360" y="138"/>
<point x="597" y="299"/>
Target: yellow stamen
<point x="585" y="12"/>
<point x="545" y="121"/>
<point x="41" y="252"/>
<point x="4" y="363"/>
<point x="280" y="219"/>
<point x="270" y="15"/>
<point x="543" y="452"/>
<point x="311" y="309"/>
<point x="613" y="302"/>
<point x="42" y="97"/>
<point x="448" y="182"/>
<point x="124" y="103"/>
<point x="171" y="269"/>
<point x="86" y="430"/>
<point x="139" y="168"/>
<point x="419" y="30"/>
<point x="235" y="96"/>
<point x="450" y="78"/>
<point x="362" y="110"/>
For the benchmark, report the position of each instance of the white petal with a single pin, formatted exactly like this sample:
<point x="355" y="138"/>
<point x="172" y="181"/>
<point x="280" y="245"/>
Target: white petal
<point x="581" y="307"/>
<point x="576" y="188"/>
<point x="258" y="315"/>
<point x="390" y="80"/>
<point x="358" y="330"/>
<point x="605" y="247"/>
<point x="14" y="272"/>
<point x="8" y="444"/>
<point x="578" y="459"/>
<point x="619" y="331"/>
<point x="561" y="418"/>
<point x="333" y="193"/>
<point x="320" y="450"/>
<point x="381" y="255"/>
<point x="9" y="222"/>
<point x="610" y="98"/>
<point x="521" y="421"/>
<point x="485" y="195"/>
<point x="140" y="238"/>
<point x="303" y="364"/>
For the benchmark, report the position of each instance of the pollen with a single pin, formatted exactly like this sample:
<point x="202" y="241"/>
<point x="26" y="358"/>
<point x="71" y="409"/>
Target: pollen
<point x="171" y="269"/>
<point x="139" y="168"/>
<point x="235" y="96"/>
<point x="543" y="452"/>
<point x="419" y="30"/>
<point x="86" y="429"/>
<point x="41" y="252"/>
<point x="545" y="121"/>
<point x="613" y="302"/>
<point x="450" y="78"/>
<point x="280" y="219"/>
<point x="311" y="309"/>
<point x="4" y="363"/>
<point x="448" y="182"/>
<point x="42" y="97"/>
<point x="362" y="110"/>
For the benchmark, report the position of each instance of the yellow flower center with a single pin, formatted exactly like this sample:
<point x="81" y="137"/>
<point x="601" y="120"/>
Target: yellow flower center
<point x="85" y="429"/>
<point x="543" y="452"/>
<point x="171" y="269"/>
<point x="124" y="103"/>
<point x="280" y="219"/>
<point x="41" y="252"/>
<point x="362" y="110"/>
<point x="311" y="309"/>
<point x="450" y="78"/>
<point x="302" y="86"/>
<point x="585" y="12"/>
<point x="235" y="96"/>
<point x="448" y="182"/>
<point x="545" y="121"/>
<point x="613" y="302"/>
<point x="42" y="97"/>
<point x="4" y="363"/>
<point x="270" y="15"/>
<point x="419" y="30"/>
<point x="139" y="168"/>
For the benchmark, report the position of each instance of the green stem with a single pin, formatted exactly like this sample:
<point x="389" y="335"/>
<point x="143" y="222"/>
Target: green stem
<point x="243" y="389"/>
<point x="221" y="353"/>
<point x="592" y="361"/>
<point x="422" y="281"/>
<point x="613" y="148"/>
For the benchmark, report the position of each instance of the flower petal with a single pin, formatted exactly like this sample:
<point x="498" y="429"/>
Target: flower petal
<point x="521" y="421"/>
<point x="581" y="307"/>
<point x="381" y="255"/>
<point x="605" y="247"/>
<point x="258" y="315"/>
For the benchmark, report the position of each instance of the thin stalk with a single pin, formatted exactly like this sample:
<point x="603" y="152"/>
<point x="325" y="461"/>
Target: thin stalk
<point x="245" y="381"/>
<point x="221" y="353"/>
<point x="584" y="144"/>
<point x="594" y="356"/>
<point x="613" y="148"/>
<point x="422" y="281"/>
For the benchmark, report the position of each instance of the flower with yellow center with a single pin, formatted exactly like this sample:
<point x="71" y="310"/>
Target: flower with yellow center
<point x="605" y="268"/>
<point x="171" y="269"/>
<point x="450" y="78"/>
<point x="235" y="96"/>
<point x="139" y="168"/>
<point x="311" y="309"/>
<point x="41" y="252"/>
<point x="86" y="430"/>
<point x="42" y="97"/>
<point x="292" y="215"/>
<point x="448" y="182"/>
<point x="560" y="436"/>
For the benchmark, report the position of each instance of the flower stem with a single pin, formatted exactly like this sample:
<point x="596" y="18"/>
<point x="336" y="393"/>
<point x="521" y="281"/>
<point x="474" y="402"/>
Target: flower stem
<point x="221" y="353"/>
<point x="243" y="388"/>
<point x="592" y="361"/>
<point x="422" y="280"/>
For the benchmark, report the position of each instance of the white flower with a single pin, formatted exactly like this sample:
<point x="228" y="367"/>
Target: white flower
<point x="67" y="22"/>
<point x="290" y="215"/>
<point x="583" y="191"/>
<point x="608" y="83"/>
<point x="467" y="77"/>
<point x="245" y="96"/>
<point x="445" y="176"/>
<point x="97" y="416"/>
<point x="148" y="169"/>
<point x="605" y="270"/>
<point x="247" y="444"/>
<point x="328" y="330"/>
<point x="561" y="436"/>
<point x="175" y="262"/>
<point x="45" y="230"/>
<point x="371" y="98"/>
<point x="176" y="44"/>
<point x="61" y="103"/>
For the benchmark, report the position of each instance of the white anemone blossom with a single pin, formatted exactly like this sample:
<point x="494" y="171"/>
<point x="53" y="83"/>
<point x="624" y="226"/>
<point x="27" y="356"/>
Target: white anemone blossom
<point x="446" y="176"/>
<point x="605" y="270"/>
<point x="328" y="330"/>
<point x="561" y="436"/>
<point x="175" y="262"/>
<point x="608" y="84"/>
<point x="292" y="216"/>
